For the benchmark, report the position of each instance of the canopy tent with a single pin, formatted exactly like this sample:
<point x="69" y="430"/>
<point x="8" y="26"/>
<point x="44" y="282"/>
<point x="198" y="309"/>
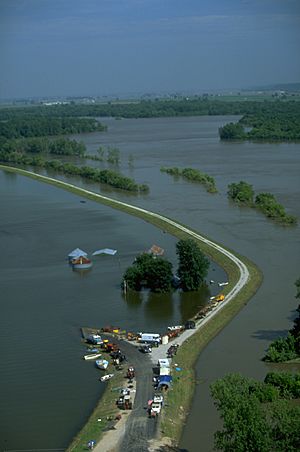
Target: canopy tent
<point x="156" y="250"/>
<point x="164" y="380"/>
<point x="76" y="253"/>
<point x="104" y="251"/>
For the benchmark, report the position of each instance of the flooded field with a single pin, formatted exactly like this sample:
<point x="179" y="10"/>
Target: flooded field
<point x="48" y="391"/>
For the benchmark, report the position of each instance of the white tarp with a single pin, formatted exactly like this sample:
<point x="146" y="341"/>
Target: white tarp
<point x="77" y="253"/>
<point x="105" y="251"/>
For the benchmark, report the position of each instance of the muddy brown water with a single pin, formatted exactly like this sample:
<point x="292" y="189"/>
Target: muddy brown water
<point x="48" y="391"/>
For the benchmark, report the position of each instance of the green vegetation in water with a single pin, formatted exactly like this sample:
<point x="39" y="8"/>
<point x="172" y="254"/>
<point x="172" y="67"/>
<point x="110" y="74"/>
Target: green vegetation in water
<point x="109" y="177"/>
<point x="242" y="193"/>
<point x="287" y="348"/>
<point x="258" y="416"/>
<point x="193" y="175"/>
<point x="274" y="122"/>
<point x="155" y="273"/>
<point x="193" y="265"/>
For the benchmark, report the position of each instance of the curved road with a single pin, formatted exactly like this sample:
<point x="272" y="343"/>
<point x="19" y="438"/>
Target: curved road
<point x="140" y="429"/>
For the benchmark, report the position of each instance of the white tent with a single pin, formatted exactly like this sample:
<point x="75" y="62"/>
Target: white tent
<point x="105" y="251"/>
<point x="77" y="253"/>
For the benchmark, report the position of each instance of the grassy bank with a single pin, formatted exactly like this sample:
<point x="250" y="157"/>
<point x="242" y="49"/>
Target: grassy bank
<point x="105" y="410"/>
<point x="179" y="398"/>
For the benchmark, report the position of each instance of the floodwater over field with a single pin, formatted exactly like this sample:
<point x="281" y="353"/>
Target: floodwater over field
<point x="48" y="391"/>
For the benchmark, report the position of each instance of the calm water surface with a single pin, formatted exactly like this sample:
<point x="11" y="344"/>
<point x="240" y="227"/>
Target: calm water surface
<point x="48" y="391"/>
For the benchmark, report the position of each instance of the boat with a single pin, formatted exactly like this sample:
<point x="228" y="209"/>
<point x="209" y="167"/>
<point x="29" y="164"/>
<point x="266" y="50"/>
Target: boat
<point x="102" y="364"/>
<point x="92" y="356"/>
<point x="81" y="263"/>
<point x="106" y="377"/>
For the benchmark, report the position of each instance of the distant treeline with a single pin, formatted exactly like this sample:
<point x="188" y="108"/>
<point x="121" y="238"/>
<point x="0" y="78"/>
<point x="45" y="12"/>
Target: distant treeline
<point x="269" y="124"/>
<point x="109" y="177"/>
<point x="26" y="125"/>
<point x="44" y="145"/>
<point x="193" y="175"/>
<point x="157" y="108"/>
<point x="242" y="193"/>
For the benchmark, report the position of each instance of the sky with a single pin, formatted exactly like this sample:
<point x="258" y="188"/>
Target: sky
<point x="115" y="47"/>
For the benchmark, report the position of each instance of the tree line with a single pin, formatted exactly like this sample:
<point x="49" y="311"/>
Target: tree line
<point x="269" y="124"/>
<point x="196" y="106"/>
<point x="243" y="194"/>
<point x="193" y="175"/>
<point x="109" y="177"/>
<point x="27" y="126"/>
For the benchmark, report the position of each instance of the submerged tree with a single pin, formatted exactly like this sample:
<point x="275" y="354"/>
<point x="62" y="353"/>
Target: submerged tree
<point x="154" y="273"/>
<point x="193" y="264"/>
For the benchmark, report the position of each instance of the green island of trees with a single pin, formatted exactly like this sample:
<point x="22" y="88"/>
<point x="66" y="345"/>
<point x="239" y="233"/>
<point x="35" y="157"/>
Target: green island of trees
<point x="273" y="122"/>
<point x="155" y="273"/>
<point x="258" y="416"/>
<point x="193" y="175"/>
<point x="287" y="348"/>
<point x="243" y="194"/>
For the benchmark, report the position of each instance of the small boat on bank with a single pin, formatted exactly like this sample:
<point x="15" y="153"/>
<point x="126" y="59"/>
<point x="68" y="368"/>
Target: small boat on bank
<point x="92" y="356"/>
<point x="81" y="263"/>
<point x="102" y="364"/>
<point x="106" y="377"/>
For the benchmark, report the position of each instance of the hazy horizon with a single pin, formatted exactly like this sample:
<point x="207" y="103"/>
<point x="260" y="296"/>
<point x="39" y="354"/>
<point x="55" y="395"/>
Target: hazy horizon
<point x="57" y="48"/>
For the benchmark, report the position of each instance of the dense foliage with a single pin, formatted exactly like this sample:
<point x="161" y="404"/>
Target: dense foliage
<point x="243" y="194"/>
<point x="276" y="121"/>
<point x="267" y="203"/>
<point x="193" y="265"/>
<point x="25" y="126"/>
<point x="232" y="131"/>
<point x="193" y="175"/>
<point x="287" y="348"/>
<point x="154" y="273"/>
<point x="255" y="418"/>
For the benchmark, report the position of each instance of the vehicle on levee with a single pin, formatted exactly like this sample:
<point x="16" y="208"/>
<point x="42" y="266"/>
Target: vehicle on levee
<point x="155" y="405"/>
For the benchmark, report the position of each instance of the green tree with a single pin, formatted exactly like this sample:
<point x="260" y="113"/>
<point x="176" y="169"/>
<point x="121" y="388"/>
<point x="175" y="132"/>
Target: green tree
<point x="241" y="192"/>
<point x="149" y="271"/>
<point x="193" y="264"/>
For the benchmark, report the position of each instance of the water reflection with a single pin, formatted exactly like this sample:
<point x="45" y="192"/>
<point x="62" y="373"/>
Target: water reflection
<point x="133" y="299"/>
<point x="159" y="306"/>
<point x="192" y="302"/>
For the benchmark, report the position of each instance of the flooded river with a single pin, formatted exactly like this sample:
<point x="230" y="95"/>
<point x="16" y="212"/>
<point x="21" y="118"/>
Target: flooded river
<point x="48" y="391"/>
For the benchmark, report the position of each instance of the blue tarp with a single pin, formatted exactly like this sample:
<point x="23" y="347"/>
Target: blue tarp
<point x="164" y="380"/>
<point x="105" y="251"/>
